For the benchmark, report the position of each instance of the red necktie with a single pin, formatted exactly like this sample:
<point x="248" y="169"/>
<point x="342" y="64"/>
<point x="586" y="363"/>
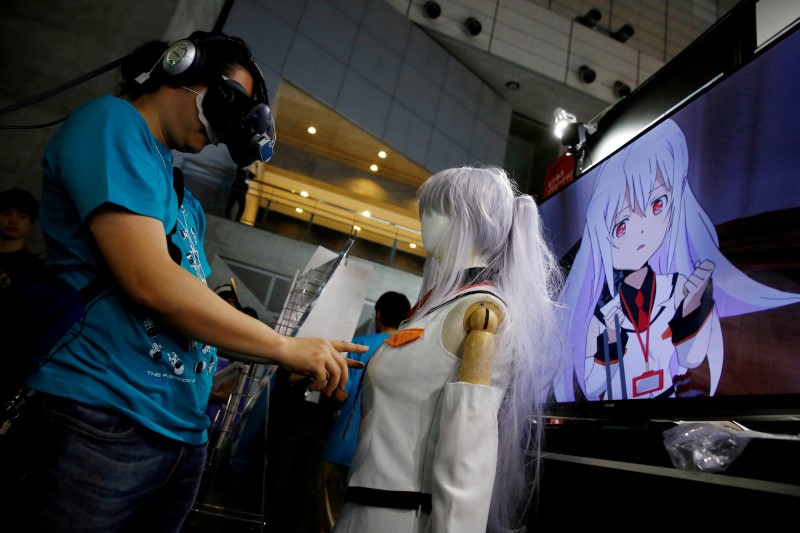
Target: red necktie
<point x="642" y="319"/>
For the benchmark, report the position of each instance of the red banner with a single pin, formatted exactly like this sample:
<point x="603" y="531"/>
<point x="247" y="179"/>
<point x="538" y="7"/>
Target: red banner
<point x="559" y="174"/>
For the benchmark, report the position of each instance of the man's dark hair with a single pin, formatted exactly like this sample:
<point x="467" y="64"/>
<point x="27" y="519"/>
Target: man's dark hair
<point x="394" y="308"/>
<point x="22" y="201"/>
<point x="227" y="293"/>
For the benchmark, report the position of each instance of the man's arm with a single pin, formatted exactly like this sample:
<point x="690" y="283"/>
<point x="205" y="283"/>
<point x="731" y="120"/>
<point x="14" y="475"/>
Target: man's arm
<point x="135" y="249"/>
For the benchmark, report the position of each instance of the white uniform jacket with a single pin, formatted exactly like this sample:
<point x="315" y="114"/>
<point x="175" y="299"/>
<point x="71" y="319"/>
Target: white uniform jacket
<point x="423" y="432"/>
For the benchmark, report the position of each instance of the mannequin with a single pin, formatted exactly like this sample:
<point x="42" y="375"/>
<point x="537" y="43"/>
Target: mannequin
<point x="447" y="402"/>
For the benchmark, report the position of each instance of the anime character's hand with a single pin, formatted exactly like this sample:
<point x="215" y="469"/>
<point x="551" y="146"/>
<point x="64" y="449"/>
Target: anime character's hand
<point x="686" y="386"/>
<point x="696" y="285"/>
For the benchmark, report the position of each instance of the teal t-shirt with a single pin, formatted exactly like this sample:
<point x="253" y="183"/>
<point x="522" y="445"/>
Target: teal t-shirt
<point x="117" y="357"/>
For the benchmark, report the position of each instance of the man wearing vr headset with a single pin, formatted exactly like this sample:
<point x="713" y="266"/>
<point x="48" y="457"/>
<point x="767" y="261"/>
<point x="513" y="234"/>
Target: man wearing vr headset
<point x="123" y="440"/>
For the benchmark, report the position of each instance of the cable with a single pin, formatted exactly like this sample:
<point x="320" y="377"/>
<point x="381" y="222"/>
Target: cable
<point x="35" y="126"/>
<point x="52" y="92"/>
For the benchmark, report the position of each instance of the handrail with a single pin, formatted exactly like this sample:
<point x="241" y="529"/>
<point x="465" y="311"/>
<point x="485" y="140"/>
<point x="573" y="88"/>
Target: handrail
<point x="317" y="206"/>
<point x="206" y="179"/>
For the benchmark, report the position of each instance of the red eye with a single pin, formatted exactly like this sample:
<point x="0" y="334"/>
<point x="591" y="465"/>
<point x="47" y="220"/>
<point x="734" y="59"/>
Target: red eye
<point x="619" y="229"/>
<point x="658" y="204"/>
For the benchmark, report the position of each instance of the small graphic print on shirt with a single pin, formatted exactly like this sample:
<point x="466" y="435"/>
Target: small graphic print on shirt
<point x="209" y="365"/>
<point x="177" y="364"/>
<point x="156" y="352"/>
<point x="151" y="327"/>
<point x="193" y="255"/>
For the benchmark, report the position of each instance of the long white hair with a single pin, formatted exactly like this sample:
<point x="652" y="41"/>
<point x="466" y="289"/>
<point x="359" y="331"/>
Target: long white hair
<point x="490" y="219"/>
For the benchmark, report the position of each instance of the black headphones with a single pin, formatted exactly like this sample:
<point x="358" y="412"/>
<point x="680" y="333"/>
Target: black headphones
<point x="245" y="123"/>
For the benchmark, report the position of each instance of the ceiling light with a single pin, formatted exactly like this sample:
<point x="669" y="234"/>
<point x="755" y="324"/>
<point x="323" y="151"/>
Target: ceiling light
<point x="562" y="118"/>
<point x="357" y="228"/>
<point x="621" y="89"/>
<point x="367" y="214"/>
<point x="591" y="18"/>
<point x="512" y="85"/>
<point x="299" y="209"/>
<point x="373" y="167"/>
<point x="624" y="33"/>
<point x="586" y="74"/>
<point x="473" y="26"/>
<point x="312" y="130"/>
<point x="412" y="245"/>
<point x="432" y="9"/>
<point x="571" y="132"/>
<point x="382" y="154"/>
<point x="304" y="194"/>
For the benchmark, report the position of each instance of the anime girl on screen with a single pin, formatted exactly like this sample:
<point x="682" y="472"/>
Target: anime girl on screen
<point x="648" y="285"/>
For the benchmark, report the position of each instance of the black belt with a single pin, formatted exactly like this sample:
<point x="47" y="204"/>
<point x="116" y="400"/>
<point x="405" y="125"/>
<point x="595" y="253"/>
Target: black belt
<point x="394" y="499"/>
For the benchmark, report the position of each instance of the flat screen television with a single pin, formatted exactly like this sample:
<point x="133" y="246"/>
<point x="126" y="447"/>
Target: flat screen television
<point x="682" y="253"/>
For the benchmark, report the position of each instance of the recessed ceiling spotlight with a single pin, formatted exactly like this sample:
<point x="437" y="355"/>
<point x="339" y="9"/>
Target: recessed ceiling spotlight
<point x="357" y="228"/>
<point x="412" y="245"/>
<point x="621" y="89"/>
<point x="382" y="154"/>
<point x="299" y="209"/>
<point x="312" y="130"/>
<point x="367" y="214"/>
<point x="432" y="9"/>
<point x="304" y="194"/>
<point x="373" y="168"/>
<point x="624" y="33"/>
<point x="591" y="18"/>
<point x="512" y="85"/>
<point x="586" y="74"/>
<point x="473" y="26"/>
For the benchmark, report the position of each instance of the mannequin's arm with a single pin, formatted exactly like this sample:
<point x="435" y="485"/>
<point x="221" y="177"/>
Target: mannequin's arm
<point x="466" y="454"/>
<point x="480" y="322"/>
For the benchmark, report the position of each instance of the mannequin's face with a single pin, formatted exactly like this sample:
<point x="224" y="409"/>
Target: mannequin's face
<point x="434" y="226"/>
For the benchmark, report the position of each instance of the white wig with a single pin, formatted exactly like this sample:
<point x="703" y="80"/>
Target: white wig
<point x="690" y="239"/>
<point x="489" y="218"/>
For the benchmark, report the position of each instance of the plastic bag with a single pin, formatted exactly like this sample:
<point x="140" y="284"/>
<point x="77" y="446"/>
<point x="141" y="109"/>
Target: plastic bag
<point x="704" y="446"/>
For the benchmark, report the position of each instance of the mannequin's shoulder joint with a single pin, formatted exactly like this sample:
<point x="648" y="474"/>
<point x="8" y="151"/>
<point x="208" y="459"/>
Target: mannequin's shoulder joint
<point x="483" y="316"/>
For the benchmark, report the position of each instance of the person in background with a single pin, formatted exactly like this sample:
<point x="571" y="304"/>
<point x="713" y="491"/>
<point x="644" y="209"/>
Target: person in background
<point x="122" y="443"/>
<point x="451" y="416"/>
<point x="18" y="213"/>
<point x="228" y="293"/>
<point x="238" y="193"/>
<point x="297" y="426"/>
<point x="222" y="388"/>
<point x="390" y="310"/>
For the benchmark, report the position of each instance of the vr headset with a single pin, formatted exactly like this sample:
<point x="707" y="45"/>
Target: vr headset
<point x="244" y="124"/>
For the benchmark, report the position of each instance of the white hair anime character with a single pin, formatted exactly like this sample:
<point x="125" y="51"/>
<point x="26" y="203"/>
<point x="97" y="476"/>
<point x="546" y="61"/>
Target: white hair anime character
<point x="648" y="285"/>
<point x="450" y="402"/>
